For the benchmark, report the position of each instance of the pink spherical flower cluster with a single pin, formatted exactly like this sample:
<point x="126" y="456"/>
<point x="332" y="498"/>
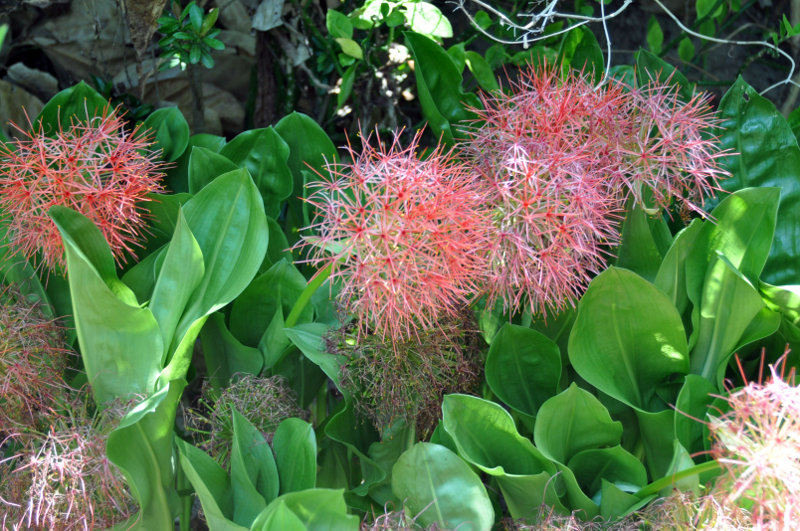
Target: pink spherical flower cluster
<point x="561" y="157"/>
<point x="93" y="166"/>
<point x="405" y="235"/>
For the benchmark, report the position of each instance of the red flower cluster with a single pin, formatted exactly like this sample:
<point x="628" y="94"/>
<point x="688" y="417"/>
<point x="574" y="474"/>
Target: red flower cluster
<point x="406" y="235"/>
<point x="94" y="166"/>
<point x="530" y="213"/>
<point x="561" y="157"/>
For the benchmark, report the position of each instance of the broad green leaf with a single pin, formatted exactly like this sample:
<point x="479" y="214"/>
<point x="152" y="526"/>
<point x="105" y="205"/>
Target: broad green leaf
<point x="71" y="104"/>
<point x="439" y="86"/>
<point x="439" y="488"/>
<point x="486" y="437"/>
<point x="767" y="154"/>
<point x="296" y="455"/>
<point x="16" y="269"/>
<point x="658" y="434"/>
<point x="571" y="422"/>
<point x="728" y="304"/>
<point x="177" y="178"/>
<point x="704" y="8"/>
<point x="142" y="448"/>
<point x="277" y="248"/>
<point x="671" y="275"/>
<point x="686" y="49"/>
<point x="627" y="338"/>
<point x="162" y="213"/>
<point x="580" y="50"/>
<point x="120" y="342"/>
<point x="278" y="516"/>
<point x="309" y="147"/>
<point x="614" y="464"/>
<point x="265" y="155"/>
<point x="204" y="166"/>
<point x="181" y="272"/>
<point x="310" y="339"/>
<point x="351" y="48"/>
<point x="228" y="221"/>
<point x="742" y="229"/>
<point x="426" y="19"/>
<point x="212" y="485"/>
<point x="655" y="35"/>
<point x="395" y="440"/>
<point x="141" y="278"/>
<point x="254" y="309"/>
<point x="638" y="250"/>
<point x="345" y="428"/>
<point x="171" y="132"/>
<point x="254" y="476"/>
<point x="783" y="299"/>
<point x="615" y="502"/>
<point x="691" y="408"/>
<point x="314" y="508"/>
<point x="224" y="355"/>
<point x="338" y="24"/>
<point x="482" y="71"/>
<point x="523" y="368"/>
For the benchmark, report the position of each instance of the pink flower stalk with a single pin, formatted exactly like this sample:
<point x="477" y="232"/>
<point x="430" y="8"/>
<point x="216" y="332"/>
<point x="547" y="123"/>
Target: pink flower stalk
<point x="405" y="235"/>
<point x="757" y="442"/>
<point x="543" y="151"/>
<point x="667" y="147"/>
<point x="93" y="166"/>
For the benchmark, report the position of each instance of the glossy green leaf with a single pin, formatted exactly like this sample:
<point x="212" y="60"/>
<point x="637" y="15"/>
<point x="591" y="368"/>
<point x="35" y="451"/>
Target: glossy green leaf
<point x="691" y="409"/>
<point x="254" y="309"/>
<point x="278" y="517"/>
<point x="742" y="230"/>
<point x="767" y="155"/>
<point x="310" y="339"/>
<point x="338" y="24"/>
<point x="224" y="355"/>
<point x="345" y="428"/>
<point x="658" y="435"/>
<point x="614" y="464"/>
<point x="204" y="166"/>
<point x="395" y="440"/>
<point x="615" y="502"/>
<point x="580" y="50"/>
<point x="181" y="272"/>
<point x="121" y="343"/>
<point x="573" y="421"/>
<point x="426" y="19"/>
<point x="296" y="455"/>
<point x="655" y="35"/>
<point x="439" y="86"/>
<point x="171" y="132"/>
<point x="523" y="368"/>
<point x="728" y="304"/>
<point x="265" y="155"/>
<point x="254" y="475"/>
<point x="315" y="508"/>
<point x="439" y="488"/>
<point x="141" y="278"/>
<point x="142" y="448"/>
<point x="627" y="338"/>
<point x="486" y="437"/>
<point x="73" y="103"/>
<point x="212" y="485"/>
<point x="783" y="299"/>
<point x="309" y="147"/>
<point x="351" y="48"/>
<point x="482" y="71"/>
<point x="228" y="221"/>
<point x="177" y="178"/>
<point x="638" y="250"/>
<point x="671" y="275"/>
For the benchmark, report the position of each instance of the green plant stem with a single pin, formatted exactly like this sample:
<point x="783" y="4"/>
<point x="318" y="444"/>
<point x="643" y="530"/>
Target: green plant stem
<point x="656" y="486"/>
<point x="186" y="500"/>
<point x="302" y="301"/>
